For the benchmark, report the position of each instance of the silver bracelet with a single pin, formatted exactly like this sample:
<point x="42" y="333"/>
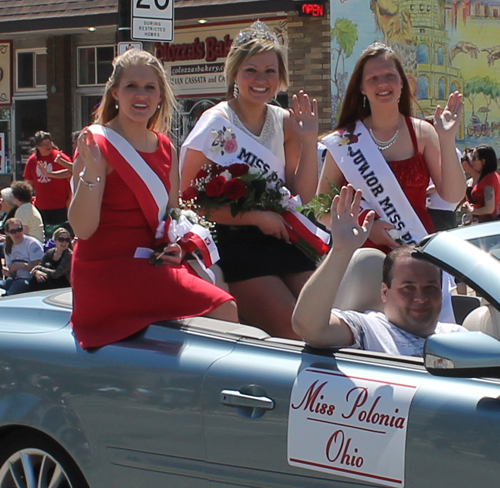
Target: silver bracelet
<point x="85" y="182"/>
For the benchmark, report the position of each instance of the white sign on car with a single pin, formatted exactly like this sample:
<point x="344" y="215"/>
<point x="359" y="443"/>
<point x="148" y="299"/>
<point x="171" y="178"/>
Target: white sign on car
<point x="351" y="426"/>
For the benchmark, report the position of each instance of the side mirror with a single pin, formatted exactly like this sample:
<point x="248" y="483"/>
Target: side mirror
<point x="466" y="355"/>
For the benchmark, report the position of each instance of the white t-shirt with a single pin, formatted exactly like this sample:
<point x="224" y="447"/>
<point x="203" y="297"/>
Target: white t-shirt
<point x="28" y="251"/>
<point x="373" y="332"/>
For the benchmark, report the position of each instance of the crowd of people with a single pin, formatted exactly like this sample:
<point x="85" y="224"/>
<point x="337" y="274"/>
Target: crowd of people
<point x="400" y="179"/>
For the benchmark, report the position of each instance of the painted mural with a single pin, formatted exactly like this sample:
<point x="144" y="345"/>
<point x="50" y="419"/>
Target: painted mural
<point x="445" y="45"/>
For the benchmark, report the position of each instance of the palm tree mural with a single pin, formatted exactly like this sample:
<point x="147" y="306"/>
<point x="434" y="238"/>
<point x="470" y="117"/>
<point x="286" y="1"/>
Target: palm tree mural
<point x="345" y="34"/>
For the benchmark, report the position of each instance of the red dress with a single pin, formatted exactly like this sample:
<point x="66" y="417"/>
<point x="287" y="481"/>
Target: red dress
<point x="477" y="195"/>
<point x="116" y="295"/>
<point x="413" y="177"/>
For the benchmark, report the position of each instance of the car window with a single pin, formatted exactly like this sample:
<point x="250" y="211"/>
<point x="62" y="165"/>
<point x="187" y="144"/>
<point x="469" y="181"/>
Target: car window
<point x="489" y="244"/>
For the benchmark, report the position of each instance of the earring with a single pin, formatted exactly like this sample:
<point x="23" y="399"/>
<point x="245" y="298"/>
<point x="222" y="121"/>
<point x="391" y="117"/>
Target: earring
<point x="159" y="106"/>
<point x="364" y="100"/>
<point x="116" y="105"/>
<point x="236" y="91"/>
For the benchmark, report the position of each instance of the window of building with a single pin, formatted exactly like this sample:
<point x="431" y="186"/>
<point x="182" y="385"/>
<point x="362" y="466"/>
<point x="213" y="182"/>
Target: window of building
<point x="422" y="54"/>
<point x="94" y="64"/>
<point x="441" y="89"/>
<point x="31" y="69"/>
<point x="440" y="56"/>
<point x="423" y="87"/>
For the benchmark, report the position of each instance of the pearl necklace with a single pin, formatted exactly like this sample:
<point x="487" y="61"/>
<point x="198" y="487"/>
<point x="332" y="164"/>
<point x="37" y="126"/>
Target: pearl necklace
<point x="383" y="145"/>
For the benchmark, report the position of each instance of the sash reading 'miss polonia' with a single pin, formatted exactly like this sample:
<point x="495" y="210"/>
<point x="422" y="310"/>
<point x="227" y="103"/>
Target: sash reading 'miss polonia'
<point x="224" y="144"/>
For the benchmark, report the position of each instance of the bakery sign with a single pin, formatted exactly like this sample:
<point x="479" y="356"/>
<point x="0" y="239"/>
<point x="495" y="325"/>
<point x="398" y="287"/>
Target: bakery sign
<point x="350" y="426"/>
<point x="5" y="73"/>
<point x="195" y="62"/>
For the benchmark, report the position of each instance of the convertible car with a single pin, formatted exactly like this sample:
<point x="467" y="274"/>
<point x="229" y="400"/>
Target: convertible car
<point x="203" y="403"/>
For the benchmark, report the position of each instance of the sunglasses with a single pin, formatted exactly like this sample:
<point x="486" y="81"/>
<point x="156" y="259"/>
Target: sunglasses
<point x="15" y="231"/>
<point x="63" y="239"/>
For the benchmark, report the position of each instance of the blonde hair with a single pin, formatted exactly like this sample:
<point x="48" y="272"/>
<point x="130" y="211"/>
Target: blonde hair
<point x="239" y="53"/>
<point x="59" y="231"/>
<point x="161" y="120"/>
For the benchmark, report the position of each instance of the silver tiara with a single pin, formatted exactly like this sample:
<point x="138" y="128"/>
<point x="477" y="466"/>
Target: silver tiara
<point x="258" y="30"/>
<point x="378" y="46"/>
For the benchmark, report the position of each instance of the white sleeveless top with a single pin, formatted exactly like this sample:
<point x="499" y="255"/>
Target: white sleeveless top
<point x="272" y="135"/>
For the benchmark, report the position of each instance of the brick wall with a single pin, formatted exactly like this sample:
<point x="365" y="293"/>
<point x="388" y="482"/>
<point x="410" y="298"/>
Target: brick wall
<point x="59" y="83"/>
<point x="309" y="60"/>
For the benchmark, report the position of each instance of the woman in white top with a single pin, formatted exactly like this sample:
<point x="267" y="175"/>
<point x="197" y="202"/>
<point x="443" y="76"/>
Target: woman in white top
<point x="264" y="271"/>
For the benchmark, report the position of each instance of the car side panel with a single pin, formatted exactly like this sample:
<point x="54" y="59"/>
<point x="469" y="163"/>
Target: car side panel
<point x="453" y="435"/>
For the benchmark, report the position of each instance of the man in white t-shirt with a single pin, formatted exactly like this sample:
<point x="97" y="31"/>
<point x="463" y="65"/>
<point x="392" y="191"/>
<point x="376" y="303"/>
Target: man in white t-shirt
<point x="22" y="254"/>
<point x="411" y="293"/>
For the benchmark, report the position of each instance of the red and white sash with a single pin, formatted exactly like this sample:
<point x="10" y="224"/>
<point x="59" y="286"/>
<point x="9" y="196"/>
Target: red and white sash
<point x="364" y="166"/>
<point x="224" y="144"/>
<point x="153" y="198"/>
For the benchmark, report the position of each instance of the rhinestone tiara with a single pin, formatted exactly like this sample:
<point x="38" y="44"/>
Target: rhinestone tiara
<point x="377" y="45"/>
<point x="258" y="30"/>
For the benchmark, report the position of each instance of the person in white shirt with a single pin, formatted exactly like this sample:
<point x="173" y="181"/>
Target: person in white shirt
<point x="22" y="254"/>
<point x="411" y="293"/>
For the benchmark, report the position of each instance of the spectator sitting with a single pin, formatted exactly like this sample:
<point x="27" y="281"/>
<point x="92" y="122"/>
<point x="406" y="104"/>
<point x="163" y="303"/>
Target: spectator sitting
<point x="26" y="212"/>
<point x="9" y="208"/>
<point x="55" y="267"/>
<point x="22" y="254"/>
<point x="411" y="293"/>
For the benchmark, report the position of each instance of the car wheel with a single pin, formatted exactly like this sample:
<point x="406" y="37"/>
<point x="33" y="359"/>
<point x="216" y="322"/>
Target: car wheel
<point x="30" y="459"/>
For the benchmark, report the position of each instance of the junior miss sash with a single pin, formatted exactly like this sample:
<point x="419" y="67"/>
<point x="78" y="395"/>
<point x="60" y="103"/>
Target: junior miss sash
<point x="364" y="166"/>
<point x="224" y="144"/>
<point x="153" y="198"/>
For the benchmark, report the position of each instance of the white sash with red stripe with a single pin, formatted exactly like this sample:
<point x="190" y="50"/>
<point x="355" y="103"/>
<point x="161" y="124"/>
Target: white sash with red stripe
<point x="152" y="195"/>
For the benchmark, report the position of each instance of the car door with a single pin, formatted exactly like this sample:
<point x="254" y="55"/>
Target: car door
<point x="422" y="431"/>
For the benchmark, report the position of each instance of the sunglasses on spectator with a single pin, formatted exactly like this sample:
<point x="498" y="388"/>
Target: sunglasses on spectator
<point x="63" y="239"/>
<point x="15" y="231"/>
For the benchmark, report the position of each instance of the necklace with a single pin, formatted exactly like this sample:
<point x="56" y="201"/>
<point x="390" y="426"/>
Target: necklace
<point x="383" y="145"/>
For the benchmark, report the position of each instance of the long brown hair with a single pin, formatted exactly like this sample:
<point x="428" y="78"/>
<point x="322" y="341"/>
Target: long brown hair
<point x="8" y="240"/>
<point x="352" y="106"/>
<point x="160" y="121"/>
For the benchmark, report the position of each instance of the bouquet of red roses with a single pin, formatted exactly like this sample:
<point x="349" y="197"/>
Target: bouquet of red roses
<point x="237" y="186"/>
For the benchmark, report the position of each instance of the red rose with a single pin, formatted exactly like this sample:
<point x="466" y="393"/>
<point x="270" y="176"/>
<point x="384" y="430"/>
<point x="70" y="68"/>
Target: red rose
<point x="235" y="189"/>
<point x="238" y="169"/>
<point x="215" y="187"/>
<point x="189" y="194"/>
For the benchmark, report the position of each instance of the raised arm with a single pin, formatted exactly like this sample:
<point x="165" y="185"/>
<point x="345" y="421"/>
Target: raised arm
<point x="312" y="318"/>
<point x="440" y="152"/>
<point x="85" y="208"/>
<point x="301" y="135"/>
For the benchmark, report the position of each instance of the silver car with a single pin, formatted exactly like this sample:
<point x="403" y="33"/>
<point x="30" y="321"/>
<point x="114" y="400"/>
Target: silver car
<point x="204" y="404"/>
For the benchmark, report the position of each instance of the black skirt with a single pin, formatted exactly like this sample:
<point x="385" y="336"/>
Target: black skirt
<point x="246" y="253"/>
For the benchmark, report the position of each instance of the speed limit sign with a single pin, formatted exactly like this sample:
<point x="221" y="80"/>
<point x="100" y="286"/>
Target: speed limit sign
<point x="153" y="20"/>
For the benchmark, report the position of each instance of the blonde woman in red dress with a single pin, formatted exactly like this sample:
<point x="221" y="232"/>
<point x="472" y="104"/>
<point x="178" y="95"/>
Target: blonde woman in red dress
<point x="125" y="171"/>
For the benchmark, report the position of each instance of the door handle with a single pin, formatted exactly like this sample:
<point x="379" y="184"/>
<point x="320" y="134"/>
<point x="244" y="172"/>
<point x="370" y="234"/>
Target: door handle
<point x="234" y="398"/>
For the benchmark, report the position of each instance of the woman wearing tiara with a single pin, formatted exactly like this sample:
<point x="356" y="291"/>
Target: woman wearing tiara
<point x="264" y="271"/>
<point x="381" y="149"/>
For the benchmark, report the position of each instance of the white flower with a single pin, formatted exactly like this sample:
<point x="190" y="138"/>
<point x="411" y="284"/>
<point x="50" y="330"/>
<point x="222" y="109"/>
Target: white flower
<point x="254" y="171"/>
<point x="227" y="175"/>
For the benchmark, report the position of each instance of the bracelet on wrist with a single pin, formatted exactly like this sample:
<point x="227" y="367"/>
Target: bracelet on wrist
<point x="88" y="183"/>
